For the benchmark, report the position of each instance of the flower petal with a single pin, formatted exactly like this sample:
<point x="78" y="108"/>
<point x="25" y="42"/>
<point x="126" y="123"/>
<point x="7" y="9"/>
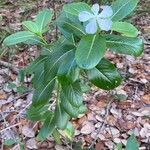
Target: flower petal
<point x="106" y="12"/>
<point x="95" y="9"/>
<point x="105" y="24"/>
<point x="91" y="27"/>
<point x="85" y="16"/>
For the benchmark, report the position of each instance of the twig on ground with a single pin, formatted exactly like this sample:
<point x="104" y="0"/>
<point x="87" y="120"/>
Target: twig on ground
<point x="10" y="66"/>
<point x="10" y="127"/>
<point x="101" y="128"/>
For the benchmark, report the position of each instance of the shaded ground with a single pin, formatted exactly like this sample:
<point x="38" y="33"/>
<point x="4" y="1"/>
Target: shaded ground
<point x="108" y="120"/>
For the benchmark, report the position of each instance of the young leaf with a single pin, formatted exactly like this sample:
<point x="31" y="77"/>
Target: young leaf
<point x="125" y="45"/>
<point x="73" y="93"/>
<point x="47" y="128"/>
<point x="18" y="37"/>
<point x="61" y="117"/>
<point x="90" y="51"/>
<point x="43" y="19"/>
<point x="125" y="28"/>
<point x="57" y="137"/>
<point x="132" y="143"/>
<point x="31" y="26"/>
<point x="104" y="75"/>
<point x="69" y="131"/>
<point x="9" y="142"/>
<point x="76" y="8"/>
<point x="122" y="8"/>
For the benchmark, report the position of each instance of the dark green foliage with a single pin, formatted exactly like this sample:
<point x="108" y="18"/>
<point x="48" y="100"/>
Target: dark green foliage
<point x="73" y="57"/>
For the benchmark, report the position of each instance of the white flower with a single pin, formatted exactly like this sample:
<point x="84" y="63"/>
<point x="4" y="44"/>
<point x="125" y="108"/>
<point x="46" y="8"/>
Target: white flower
<point x="95" y="19"/>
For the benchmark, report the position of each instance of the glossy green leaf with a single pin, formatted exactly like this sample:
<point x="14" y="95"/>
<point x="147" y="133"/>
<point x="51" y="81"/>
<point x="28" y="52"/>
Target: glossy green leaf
<point x="31" y="26"/>
<point x="125" y="45"/>
<point x="35" y="64"/>
<point x="90" y="51"/>
<point x="69" y="131"/>
<point x="73" y="93"/>
<point x="76" y="8"/>
<point x="118" y="146"/>
<point x="68" y="71"/>
<point x="43" y="19"/>
<point x="55" y="60"/>
<point x="73" y="27"/>
<point x="83" y="109"/>
<point x="125" y="29"/>
<point x="61" y="117"/>
<point x="132" y="143"/>
<point x="37" y="113"/>
<point x="19" y="37"/>
<point x="69" y="109"/>
<point x="47" y="128"/>
<point x="43" y="93"/>
<point x="104" y="75"/>
<point x="122" y="8"/>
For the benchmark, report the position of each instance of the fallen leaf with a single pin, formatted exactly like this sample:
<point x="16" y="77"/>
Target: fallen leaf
<point x="101" y="104"/>
<point x="27" y="131"/>
<point x="88" y="128"/>
<point x="3" y="95"/>
<point x="31" y="144"/>
<point x="100" y="146"/>
<point x="146" y="99"/>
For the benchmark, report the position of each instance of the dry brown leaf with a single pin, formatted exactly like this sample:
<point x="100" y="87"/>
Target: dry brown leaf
<point x="27" y="131"/>
<point x="88" y="128"/>
<point x="101" y="104"/>
<point x="82" y="120"/>
<point x="111" y="120"/>
<point x="3" y="95"/>
<point x="100" y="146"/>
<point x="31" y="144"/>
<point x="124" y="105"/>
<point x="146" y="99"/>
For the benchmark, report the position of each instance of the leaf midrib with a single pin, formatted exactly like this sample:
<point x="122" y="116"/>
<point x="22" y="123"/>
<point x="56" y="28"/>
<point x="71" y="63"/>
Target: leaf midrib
<point x="93" y="40"/>
<point x="120" y="9"/>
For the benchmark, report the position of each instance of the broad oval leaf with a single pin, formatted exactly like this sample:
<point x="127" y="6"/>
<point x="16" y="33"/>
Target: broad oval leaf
<point x="18" y="37"/>
<point x="31" y="26"/>
<point x="104" y="75"/>
<point x="122" y="8"/>
<point x="43" y="19"/>
<point x="61" y="117"/>
<point x="125" y="29"/>
<point x="125" y="45"/>
<point x="37" y="113"/>
<point x="90" y="51"/>
<point x="47" y="128"/>
<point x="69" y="109"/>
<point x="132" y="143"/>
<point x="76" y="8"/>
<point x="43" y="93"/>
<point x="68" y="71"/>
<point x="65" y="24"/>
<point x="72" y="92"/>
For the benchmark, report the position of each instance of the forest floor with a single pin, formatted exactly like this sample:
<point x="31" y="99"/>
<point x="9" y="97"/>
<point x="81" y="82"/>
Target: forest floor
<point x="112" y="116"/>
